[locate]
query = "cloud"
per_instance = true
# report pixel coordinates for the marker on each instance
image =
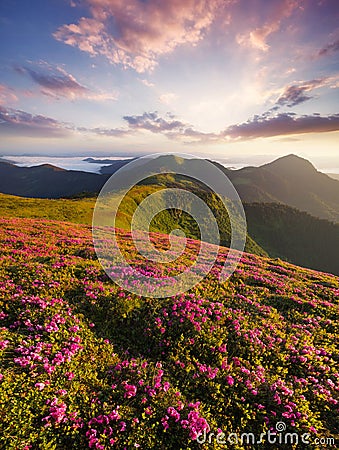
(108, 132)
(281, 125)
(257, 38)
(329, 48)
(168, 98)
(298, 93)
(7, 95)
(137, 33)
(20, 123)
(295, 94)
(16, 123)
(153, 122)
(168, 126)
(147, 83)
(260, 126)
(56, 82)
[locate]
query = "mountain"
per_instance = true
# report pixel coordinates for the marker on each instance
(47, 181)
(293, 181)
(335, 176)
(294, 236)
(113, 164)
(289, 180)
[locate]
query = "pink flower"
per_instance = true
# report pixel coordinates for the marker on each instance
(40, 386)
(172, 412)
(164, 421)
(61, 392)
(230, 380)
(3, 344)
(57, 412)
(130, 390)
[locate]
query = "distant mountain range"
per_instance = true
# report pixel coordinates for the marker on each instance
(47, 181)
(289, 180)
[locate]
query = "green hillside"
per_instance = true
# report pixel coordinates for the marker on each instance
(273, 229)
(67, 210)
(81, 210)
(170, 219)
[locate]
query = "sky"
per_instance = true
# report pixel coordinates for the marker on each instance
(239, 80)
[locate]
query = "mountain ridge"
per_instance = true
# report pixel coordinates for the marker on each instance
(289, 180)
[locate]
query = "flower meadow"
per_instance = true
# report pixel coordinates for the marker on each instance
(87, 364)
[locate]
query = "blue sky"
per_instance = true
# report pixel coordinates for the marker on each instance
(234, 79)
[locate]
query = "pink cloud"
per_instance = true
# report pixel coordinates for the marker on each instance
(298, 93)
(258, 37)
(281, 125)
(136, 33)
(16, 123)
(56, 82)
(329, 49)
(7, 95)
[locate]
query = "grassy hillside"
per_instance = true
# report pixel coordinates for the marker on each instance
(80, 210)
(273, 229)
(86, 364)
(75, 210)
(168, 220)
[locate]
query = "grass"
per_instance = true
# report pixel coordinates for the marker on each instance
(68, 210)
(80, 210)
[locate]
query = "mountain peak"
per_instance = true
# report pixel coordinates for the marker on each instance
(48, 167)
(291, 163)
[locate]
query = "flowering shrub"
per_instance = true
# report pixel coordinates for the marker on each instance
(86, 364)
